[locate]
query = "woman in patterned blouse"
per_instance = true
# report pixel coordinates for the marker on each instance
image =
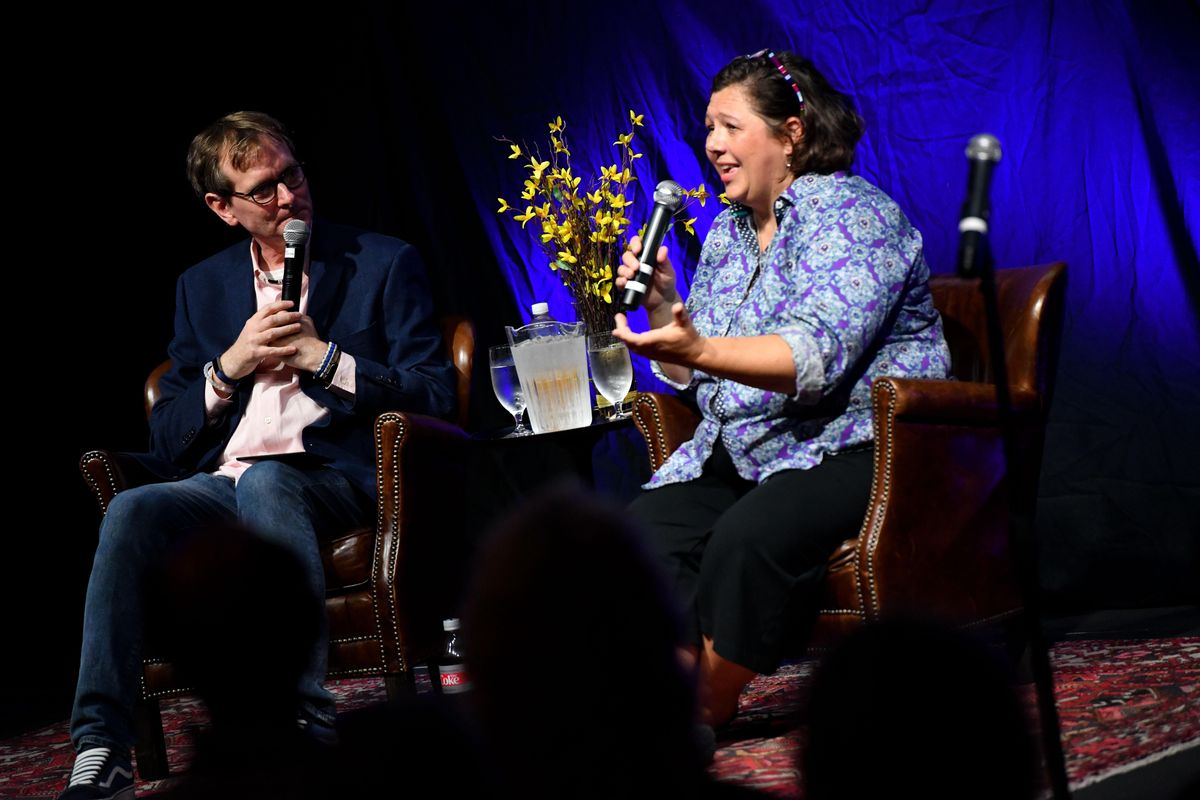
(810, 285)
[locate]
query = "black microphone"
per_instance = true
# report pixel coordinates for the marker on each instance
(983, 152)
(295, 236)
(668, 199)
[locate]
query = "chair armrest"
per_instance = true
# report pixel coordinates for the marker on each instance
(108, 472)
(665, 422)
(935, 537)
(421, 554)
(959, 401)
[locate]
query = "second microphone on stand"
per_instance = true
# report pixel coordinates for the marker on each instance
(983, 153)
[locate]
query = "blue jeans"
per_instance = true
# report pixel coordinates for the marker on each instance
(285, 504)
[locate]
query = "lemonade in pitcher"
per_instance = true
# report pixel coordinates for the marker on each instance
(551, 359)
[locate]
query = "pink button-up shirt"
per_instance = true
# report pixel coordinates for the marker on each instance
(278, 412)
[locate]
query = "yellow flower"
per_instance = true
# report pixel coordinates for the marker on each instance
(723, 199)
(523, 218)
(603, 289)
(538, 168)
(581, 229)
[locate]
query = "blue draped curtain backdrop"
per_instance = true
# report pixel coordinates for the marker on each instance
(1097, 105)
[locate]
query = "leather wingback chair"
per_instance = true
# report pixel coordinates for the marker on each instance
(934, 540)
(387, 586)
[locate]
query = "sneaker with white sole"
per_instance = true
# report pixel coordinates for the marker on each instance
(100, 774)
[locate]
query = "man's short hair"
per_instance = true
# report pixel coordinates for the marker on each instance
(238, 137)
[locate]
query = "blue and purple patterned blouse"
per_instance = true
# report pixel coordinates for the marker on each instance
(845, 283)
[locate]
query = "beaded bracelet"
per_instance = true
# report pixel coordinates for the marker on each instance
(221, 387)
(329, 364)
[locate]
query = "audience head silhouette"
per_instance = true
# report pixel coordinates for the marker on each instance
(571, 642)
(910, 709)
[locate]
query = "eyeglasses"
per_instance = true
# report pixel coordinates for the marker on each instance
(265, 193)
(787, 76)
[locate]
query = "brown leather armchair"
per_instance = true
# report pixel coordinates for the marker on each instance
(934, 540)
(388, 586)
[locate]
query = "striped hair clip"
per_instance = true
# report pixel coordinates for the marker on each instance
(787, 76)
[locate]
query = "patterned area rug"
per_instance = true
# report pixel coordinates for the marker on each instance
(1122, 704)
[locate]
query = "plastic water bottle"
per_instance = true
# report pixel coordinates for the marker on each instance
(541, 313)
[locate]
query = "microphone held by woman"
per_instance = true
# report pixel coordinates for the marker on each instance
(668, 199)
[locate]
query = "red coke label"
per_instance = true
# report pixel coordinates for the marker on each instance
(454, 678)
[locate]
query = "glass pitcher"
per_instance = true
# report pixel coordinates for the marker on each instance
(551, 359)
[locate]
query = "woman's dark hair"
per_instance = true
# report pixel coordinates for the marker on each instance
(831, 126)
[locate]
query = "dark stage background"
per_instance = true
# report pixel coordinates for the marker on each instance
(394, 113)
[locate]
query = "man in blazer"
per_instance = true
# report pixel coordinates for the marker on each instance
(265, 417)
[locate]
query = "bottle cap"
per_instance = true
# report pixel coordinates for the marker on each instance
(541, 308)
(450, 624)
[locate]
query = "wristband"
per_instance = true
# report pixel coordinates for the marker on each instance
(214, 380)
(221, 376)
(329, 364)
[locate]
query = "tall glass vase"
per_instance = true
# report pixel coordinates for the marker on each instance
(594, 313)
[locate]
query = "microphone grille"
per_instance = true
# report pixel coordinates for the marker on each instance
(984, 147)
(670, 194)
(295, 231)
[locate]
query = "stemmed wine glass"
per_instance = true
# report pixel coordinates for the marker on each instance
(612, 371)
(507, 386)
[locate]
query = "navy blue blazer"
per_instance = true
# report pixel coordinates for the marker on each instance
(367, 292)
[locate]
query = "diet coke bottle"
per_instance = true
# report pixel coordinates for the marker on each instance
(452, 671)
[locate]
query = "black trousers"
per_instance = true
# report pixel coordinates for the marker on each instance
(745, 560)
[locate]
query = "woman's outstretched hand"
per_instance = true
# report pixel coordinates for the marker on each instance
(678, 342)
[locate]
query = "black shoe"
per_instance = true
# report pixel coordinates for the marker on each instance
(100, 774)
(317, 731)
